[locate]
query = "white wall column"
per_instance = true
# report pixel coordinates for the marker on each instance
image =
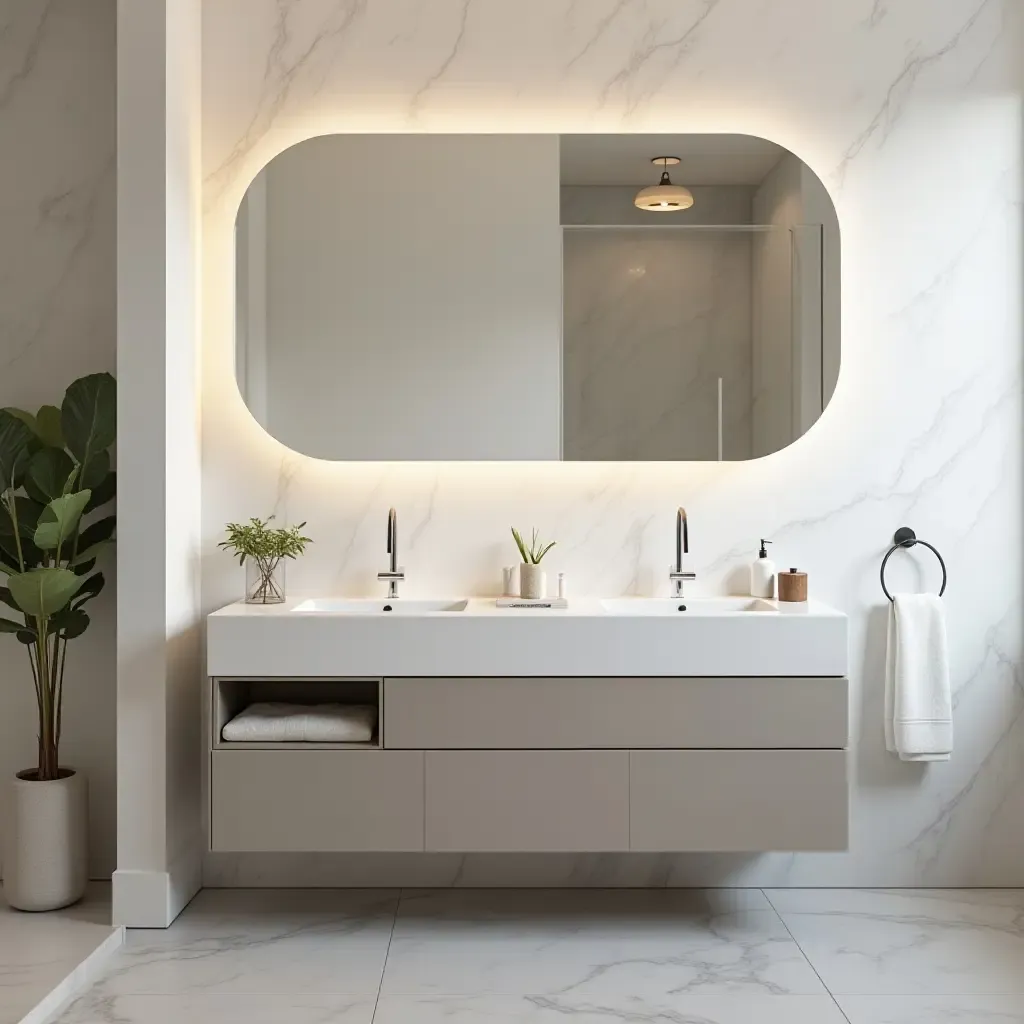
(158, 644)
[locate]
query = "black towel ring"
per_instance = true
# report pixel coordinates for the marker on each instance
(906, 538)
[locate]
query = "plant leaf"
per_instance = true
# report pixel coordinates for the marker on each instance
(519, 544)
(92, 588)
(26, 417)
(48, 428)
(27, 635)
(97, 533)
(29, 512)
(16, 444)
(59, 520)
(48, 473)
(42, 592)
(88, 419)
(69, 623)
(7, 626)
(103, 492)
(95, 471)
(5, 598)
(90, 554)
(84, 568)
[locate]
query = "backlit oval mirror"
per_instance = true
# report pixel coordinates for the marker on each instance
(578, 297)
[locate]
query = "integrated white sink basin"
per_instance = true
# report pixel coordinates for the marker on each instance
(452, 638)
(378, 606)
(686, 605)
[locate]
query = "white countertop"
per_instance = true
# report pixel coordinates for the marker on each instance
(713, 637)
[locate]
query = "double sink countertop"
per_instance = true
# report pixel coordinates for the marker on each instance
(629, 636)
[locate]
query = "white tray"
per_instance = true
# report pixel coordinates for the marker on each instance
(532, 602)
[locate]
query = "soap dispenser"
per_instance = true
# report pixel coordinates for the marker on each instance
(762, 573)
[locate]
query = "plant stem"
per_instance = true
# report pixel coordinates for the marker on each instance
(47, 744)
(60, 687)
(12, 508)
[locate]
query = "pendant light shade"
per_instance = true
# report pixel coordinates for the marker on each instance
(664, 197)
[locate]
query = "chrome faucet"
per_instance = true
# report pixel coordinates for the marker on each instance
(393, 576)
(676, 574)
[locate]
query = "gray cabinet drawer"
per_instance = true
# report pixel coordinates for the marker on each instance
(316, 800)
(515, 801)
(738, 800)
(569, 713)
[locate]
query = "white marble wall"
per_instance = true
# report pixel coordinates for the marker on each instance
(57, 308)
(911, 114)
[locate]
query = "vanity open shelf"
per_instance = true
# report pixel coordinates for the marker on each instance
(229, 696)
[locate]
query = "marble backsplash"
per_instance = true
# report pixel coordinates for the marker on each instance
(911, 114)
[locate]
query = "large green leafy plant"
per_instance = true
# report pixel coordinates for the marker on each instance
(55, 473)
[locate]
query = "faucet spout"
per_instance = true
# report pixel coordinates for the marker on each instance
(682, 537)
(676, 573)
(393, 538)
(392, 575)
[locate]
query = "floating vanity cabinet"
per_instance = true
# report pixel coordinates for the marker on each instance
(550, 757)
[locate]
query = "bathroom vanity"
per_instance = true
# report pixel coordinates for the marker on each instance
(662, 724)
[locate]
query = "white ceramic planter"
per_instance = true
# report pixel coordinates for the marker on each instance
(45, 857)
(533, 581)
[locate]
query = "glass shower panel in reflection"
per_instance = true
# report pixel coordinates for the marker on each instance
(678, 342)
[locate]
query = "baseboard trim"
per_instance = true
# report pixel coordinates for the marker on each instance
(153, 899)
(76, 982)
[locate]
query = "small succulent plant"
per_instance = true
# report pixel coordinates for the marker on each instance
(535, 551)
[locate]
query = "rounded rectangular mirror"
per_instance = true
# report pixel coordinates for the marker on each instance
(578, 297)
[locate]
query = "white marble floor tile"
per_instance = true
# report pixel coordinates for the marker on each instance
(977, 1009)
(596, 948)
(206, 1008)
(262, 942)
(39, 952)
(688, 1008)
(928, 942)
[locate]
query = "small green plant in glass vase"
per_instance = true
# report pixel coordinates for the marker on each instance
(263, 549)
(55, 477)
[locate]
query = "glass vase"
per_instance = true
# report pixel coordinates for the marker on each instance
(264, 581)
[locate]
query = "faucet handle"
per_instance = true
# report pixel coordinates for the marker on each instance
(387, 574)
(678, 574)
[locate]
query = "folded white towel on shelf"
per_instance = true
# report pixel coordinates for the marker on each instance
(275, 722)
(918, 699)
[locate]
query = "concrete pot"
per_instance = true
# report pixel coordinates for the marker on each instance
(45, 856)
(533, 581)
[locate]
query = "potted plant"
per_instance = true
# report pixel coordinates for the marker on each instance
(532, 579)
(263, 552)
(55, 473)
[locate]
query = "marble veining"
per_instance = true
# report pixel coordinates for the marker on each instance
(684, 957)
(45, 958)
(58, 65)
(897, 107)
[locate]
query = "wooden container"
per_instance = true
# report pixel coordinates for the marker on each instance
(793, 586)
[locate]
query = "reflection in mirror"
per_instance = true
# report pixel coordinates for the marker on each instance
(584, 297)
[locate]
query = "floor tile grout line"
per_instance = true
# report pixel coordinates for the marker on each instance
(387, 953)
(803, 953)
